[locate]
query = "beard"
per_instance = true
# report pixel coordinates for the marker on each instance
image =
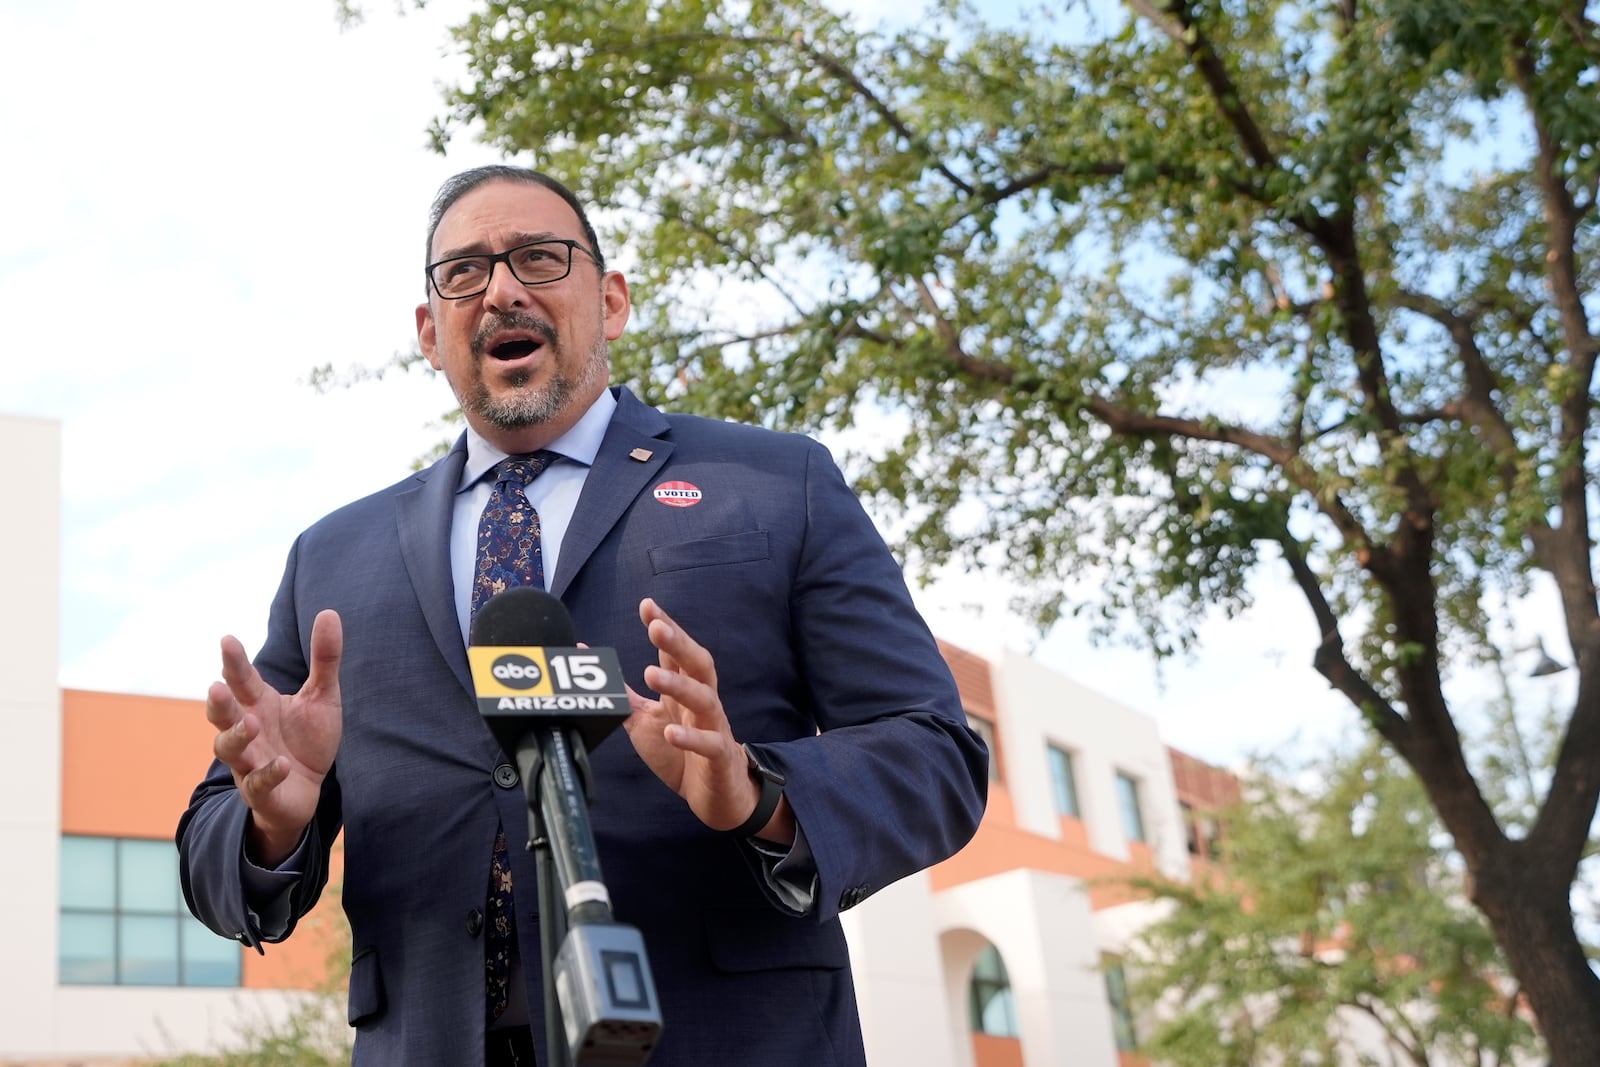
(523, 407)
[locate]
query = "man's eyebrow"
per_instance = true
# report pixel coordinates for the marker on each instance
(479, 248)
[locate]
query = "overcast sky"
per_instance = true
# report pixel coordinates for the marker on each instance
(166, 166)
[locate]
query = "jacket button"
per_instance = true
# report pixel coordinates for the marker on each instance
(852, 896)
(474, 922)
(505, 776)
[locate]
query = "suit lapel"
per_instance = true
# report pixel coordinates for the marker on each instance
(423, 512)
(615, 481)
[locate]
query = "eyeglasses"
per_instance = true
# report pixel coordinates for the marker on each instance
(535, 263)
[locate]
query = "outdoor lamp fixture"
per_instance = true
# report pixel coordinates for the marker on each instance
(1547, 664)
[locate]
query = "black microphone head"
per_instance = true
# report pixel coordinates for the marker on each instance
(524, 615)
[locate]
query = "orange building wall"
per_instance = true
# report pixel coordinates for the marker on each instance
(1206, 790)
(128, 765)
(1198, 783)
(129, 762)
(991, 1051)
(973, 678)
(1000, 845)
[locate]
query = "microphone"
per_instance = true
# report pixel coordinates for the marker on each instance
(547, 702)
(527, 671)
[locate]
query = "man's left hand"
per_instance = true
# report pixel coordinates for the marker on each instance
(685, 738)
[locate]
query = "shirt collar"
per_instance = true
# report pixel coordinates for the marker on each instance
(579, 444)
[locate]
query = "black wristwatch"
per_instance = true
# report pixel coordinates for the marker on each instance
(771, 783)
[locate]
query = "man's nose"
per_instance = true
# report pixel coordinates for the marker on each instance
(505, 292)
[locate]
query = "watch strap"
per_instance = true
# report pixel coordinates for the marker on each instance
(771, 792)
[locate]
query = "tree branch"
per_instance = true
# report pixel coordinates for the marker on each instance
(1562, 827)
(1093, 169)
(822, 59)
(1274, 449)
(1477, 406)
(745, 256)
(1417, 1054)
(1177, 22)
(1330, 660)
(879, 105)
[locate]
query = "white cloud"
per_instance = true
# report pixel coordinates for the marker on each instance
(207, 202)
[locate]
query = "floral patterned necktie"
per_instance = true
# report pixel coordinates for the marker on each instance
(509, 554)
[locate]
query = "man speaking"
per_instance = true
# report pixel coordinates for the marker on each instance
(794, 740)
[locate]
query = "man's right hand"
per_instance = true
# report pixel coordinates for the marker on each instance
(279, 747)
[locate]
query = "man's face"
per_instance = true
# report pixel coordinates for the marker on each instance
(525, 362)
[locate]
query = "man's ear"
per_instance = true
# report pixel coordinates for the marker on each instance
(614, 303)
(426, 337)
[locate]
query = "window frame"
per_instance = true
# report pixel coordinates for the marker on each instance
(1064, 786)
(129, 911)
(1192, 838)
(990, 733)
(1130, 805)
(987, 987)
(1120, 1002)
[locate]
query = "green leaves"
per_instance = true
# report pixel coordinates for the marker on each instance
(1338, 895)
(992, 229)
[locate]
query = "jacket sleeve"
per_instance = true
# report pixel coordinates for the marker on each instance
(211, 832)
(894, 780)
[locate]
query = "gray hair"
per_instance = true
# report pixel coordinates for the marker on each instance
(461, 184)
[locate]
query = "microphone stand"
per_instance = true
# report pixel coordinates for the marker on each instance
(600, 1005)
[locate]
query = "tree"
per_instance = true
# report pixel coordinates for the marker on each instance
(1174, 294)
(1337, 903)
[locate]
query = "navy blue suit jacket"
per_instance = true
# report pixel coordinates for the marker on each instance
(822, 662)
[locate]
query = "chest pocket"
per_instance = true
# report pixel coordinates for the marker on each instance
(746, 546)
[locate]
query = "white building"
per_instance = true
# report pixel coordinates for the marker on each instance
(99, 773)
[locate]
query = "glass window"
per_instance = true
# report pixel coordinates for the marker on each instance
(92, 865)
(88, 949)
(985, 729)
(205, 958)
(147, 950)
(1063, 782)
(991, 1007)
(1128, 802)
(148, 877)
(1121, 1010)
(123, 920)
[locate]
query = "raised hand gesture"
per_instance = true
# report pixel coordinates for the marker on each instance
(279, 747)
(685, 737)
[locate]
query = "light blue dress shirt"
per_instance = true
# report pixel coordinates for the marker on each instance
(554, 495)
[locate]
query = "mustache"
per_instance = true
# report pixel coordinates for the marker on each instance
(521, 320)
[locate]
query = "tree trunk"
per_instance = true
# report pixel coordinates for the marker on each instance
(1533, 923)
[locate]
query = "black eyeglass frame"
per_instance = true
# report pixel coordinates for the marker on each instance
(497, 258)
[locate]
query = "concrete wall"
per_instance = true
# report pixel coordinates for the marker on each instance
(1043, 928)
(30, 730)
(900, 981)
(40, 1020)
(1041, 708)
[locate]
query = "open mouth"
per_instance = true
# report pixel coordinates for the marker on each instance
(510, 350)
